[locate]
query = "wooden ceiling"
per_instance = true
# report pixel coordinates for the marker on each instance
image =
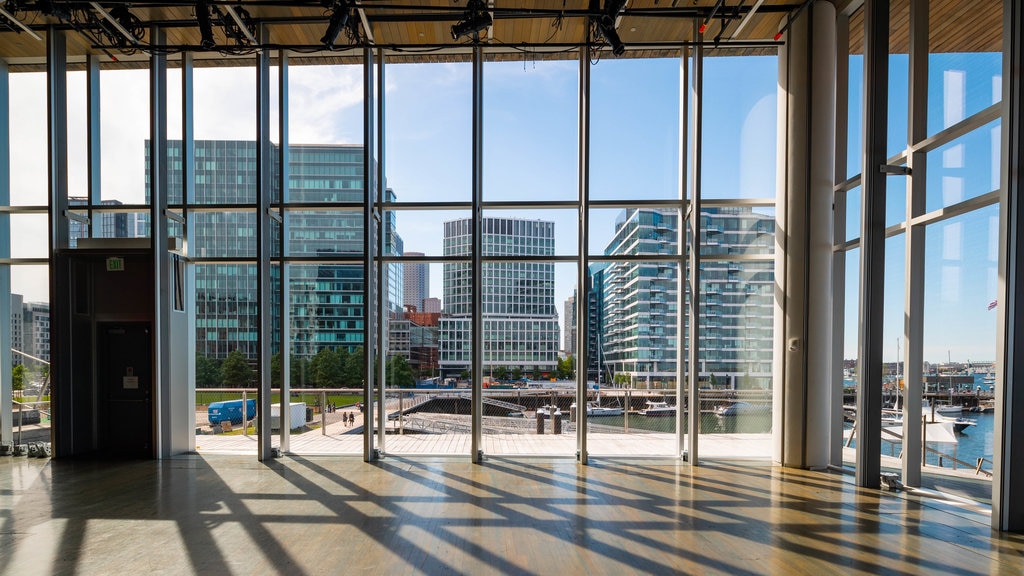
(954, 26)
(420, 30)
(409, 29)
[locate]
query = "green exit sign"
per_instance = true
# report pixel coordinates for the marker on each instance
(115, 264)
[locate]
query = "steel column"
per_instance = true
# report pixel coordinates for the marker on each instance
(284, 308)
(159, 232)
(681, 236)
(913, 296)
(1008, 470)
(6, 364)
(379, 174)
(92, 95)
(835, 412)
(264, 245)
(583, 272)
(60, 290)
(188, 198)
(477, 348)
(371, 289)
(383, 277)
(696, 90)
(872, 258)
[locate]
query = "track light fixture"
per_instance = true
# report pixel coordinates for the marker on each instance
(606, 25)
(612, 37)
(340, 15)
(475, 20)
(240, 26)
(8, 10)
(120, 25)
(205, 25)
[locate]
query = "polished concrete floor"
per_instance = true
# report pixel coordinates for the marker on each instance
(221, 515)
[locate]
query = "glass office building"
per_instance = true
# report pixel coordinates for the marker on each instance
(327, 307)
(520, 322)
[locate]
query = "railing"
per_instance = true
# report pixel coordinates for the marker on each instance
(38, 413)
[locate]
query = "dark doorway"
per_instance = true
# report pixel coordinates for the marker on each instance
(125, 375)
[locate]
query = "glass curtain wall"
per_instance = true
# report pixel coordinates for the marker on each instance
(956, 163)
(635, 253)
(224, 253)
(530, 238)
(530, 250)
(737, 246)
(29, 293)
(323, 215)
(428, 155)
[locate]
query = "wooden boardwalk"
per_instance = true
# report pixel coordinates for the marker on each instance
(342, 440)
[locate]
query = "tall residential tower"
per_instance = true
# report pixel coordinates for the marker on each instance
(519, 318)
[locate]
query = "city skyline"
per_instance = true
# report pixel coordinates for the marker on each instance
(432, 161)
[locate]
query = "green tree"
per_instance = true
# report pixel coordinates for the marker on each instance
(354, 368)
(18, 377)
(500, 373)
(399, 372)
(236, 372)
(275, 370)
(565, 368)
(325, 369)
(517, 373)
(299, 371)
(207, 372)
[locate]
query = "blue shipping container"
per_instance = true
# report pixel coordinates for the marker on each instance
(231, 411)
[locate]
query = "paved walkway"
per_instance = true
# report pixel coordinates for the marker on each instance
(343, 440)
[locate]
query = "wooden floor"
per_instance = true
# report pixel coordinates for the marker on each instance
(228, 514)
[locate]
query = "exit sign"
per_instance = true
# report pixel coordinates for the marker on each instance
(115, 264)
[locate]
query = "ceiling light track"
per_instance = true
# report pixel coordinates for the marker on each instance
(14, 20)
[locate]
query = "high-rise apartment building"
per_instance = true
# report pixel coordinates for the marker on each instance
(569, 325)
(416, 281)
(35, 318)
(519, 319)
(326, 299)
(637, 302)
(17, 330)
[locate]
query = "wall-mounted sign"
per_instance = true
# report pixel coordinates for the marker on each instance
(115, 264)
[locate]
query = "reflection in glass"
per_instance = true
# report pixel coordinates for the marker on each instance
(965, 168)
(635, 148)
(960, 315)
(739, 147)
(530, 136)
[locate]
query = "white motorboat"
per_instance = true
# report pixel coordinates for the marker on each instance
(595, 410)
(741, 409)
(893, 418)
(548, 411)
(658, 409)
(941, 409)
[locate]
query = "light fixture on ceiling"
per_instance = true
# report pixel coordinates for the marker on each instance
(606, 24)
(14, 20)
(239, 29)
(339, 19)
(474, 21)
(121, 19)
(205, 25)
